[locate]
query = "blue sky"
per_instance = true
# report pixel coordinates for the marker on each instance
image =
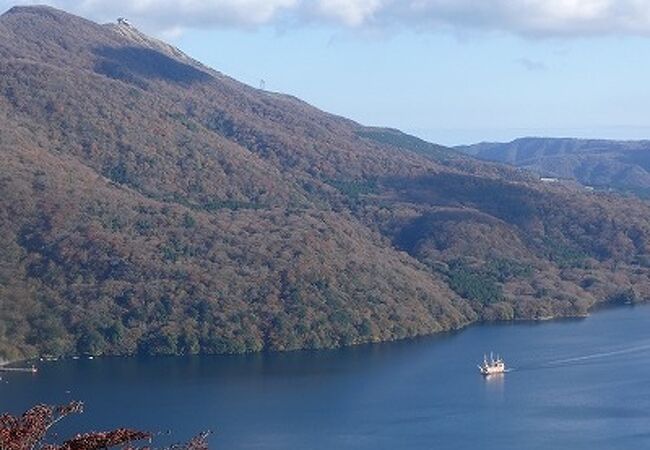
(446, 88)
(450, 71)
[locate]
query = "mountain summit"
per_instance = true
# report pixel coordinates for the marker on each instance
(150, 204)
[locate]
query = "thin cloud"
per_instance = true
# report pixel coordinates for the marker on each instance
(543, 18)
(531, 65)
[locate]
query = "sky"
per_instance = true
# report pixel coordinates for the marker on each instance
(450, 71)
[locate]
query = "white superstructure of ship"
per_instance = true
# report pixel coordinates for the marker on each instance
(492, 366)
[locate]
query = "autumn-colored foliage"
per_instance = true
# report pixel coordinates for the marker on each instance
(151, 205)
(29, 432)
(25, 432)
(599, 164)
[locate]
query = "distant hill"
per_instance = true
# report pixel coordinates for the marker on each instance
(149, 204)
(603, 164)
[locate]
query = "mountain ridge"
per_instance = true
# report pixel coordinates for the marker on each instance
(151, 206)
(605, 164)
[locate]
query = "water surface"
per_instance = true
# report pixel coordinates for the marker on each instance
(576, 384)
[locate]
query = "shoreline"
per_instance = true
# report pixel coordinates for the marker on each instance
(596, 308)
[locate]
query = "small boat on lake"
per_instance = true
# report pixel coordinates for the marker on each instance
(492, 366)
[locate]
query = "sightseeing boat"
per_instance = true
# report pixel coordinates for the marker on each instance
(492, 366)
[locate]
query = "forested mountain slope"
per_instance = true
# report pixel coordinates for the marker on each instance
(603, 164)
(150, 204)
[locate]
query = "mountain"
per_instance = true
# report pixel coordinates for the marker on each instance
(620, 165)
(149, 204)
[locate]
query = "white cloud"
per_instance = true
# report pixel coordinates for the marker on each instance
(196, 13)
(525, 17)
(175, 14)
(349, 12)
(532, 17)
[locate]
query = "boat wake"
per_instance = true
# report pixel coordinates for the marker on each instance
(583, 358)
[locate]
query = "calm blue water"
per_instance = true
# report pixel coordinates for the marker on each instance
(577, 384)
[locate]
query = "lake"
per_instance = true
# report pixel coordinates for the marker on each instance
(575, 384)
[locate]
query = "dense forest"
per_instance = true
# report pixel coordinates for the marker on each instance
(623, 166)
(149, 204)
